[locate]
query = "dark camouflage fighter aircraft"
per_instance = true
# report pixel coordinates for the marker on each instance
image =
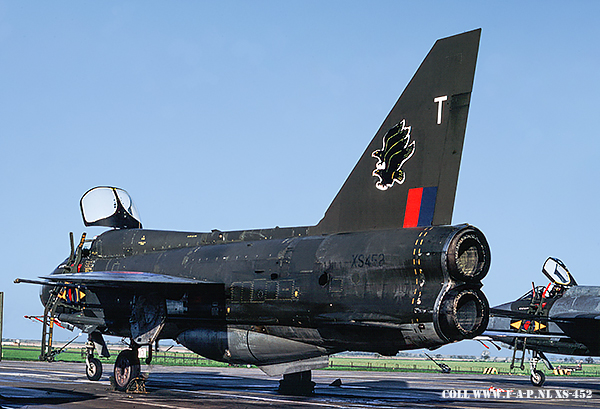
(560, 318)
(383, 271)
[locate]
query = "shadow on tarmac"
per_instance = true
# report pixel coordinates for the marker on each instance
(41, 396)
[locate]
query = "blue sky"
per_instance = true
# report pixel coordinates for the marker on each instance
(238, 114)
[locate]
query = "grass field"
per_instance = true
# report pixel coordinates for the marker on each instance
(77, 354)
(458, 366)
(336, 362)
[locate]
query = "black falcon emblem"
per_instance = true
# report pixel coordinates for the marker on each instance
(396, 150)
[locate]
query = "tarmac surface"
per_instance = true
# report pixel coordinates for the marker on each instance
(64, 385)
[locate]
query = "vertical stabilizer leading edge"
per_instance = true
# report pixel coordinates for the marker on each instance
(408, 174)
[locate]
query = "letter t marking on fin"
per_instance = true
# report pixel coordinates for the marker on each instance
(439, 101)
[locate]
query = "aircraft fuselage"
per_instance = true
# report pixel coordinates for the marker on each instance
(570, 317)
(379, 291)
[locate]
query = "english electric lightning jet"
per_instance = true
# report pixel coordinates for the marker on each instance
(383, 271)
(561, 318)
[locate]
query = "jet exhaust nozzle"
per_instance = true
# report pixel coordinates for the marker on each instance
(463, 313)
(468, 255)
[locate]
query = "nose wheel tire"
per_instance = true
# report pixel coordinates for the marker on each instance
(538, 378)
(93, 369)
(127, 368)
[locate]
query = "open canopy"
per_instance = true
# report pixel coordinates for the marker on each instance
(110, 207)
(557, 272)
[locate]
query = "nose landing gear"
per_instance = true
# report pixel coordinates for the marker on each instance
(93, 369)
(537, 377)
(93, 366)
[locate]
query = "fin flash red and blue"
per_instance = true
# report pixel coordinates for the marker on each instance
(420, 206)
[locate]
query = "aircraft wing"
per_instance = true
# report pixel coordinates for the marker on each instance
(143, 299)
(558, 318)
(502, 335)
(121, 278)
(576, 316)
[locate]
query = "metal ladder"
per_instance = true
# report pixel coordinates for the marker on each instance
(535, 308)
(47, 352)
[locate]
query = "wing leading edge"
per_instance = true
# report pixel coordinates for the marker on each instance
(120, 278)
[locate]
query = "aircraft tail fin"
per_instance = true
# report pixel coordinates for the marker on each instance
(408, 174)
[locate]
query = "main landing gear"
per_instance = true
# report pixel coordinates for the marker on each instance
(127, 369)
(126, 373)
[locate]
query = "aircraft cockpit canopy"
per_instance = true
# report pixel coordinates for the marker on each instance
(557, 272)
(526, 296)
(109, 207)
(559, 276)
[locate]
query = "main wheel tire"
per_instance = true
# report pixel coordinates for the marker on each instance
(93, 369)
(538, 378)
(127, 368)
